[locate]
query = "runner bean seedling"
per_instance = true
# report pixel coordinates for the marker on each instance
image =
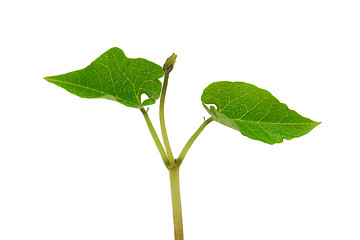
(252, 111)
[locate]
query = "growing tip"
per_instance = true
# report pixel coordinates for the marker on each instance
(169, 64)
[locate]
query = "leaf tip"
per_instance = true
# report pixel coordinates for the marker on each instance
(317, 123)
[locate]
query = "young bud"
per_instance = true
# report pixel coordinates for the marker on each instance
(169, 64)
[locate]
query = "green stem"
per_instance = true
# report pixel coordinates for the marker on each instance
(191, 140)
(176, 202)
(155, 137)
(162, 122)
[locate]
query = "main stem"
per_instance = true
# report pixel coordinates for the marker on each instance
(176, 202)
(172, 163)
(162, 122)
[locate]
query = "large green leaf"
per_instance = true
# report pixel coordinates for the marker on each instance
(116, 77)
(255, 112)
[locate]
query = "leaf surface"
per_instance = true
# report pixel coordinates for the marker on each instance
(255, 112)
(114, 76)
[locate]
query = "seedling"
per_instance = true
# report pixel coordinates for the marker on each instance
(252, 111)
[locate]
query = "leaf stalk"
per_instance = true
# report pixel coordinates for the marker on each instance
(192, 140)
(155, 137)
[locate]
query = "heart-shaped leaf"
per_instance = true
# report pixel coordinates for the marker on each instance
(255, 112)
(114, 76)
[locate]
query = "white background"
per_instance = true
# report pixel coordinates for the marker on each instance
(73, 168)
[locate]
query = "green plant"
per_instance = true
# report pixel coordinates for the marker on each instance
(242, 106)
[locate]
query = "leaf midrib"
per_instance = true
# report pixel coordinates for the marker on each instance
(272, 122)
(242, 120)
(95, 90)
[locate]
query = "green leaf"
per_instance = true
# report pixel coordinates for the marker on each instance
(255, 112)
(114, 76)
